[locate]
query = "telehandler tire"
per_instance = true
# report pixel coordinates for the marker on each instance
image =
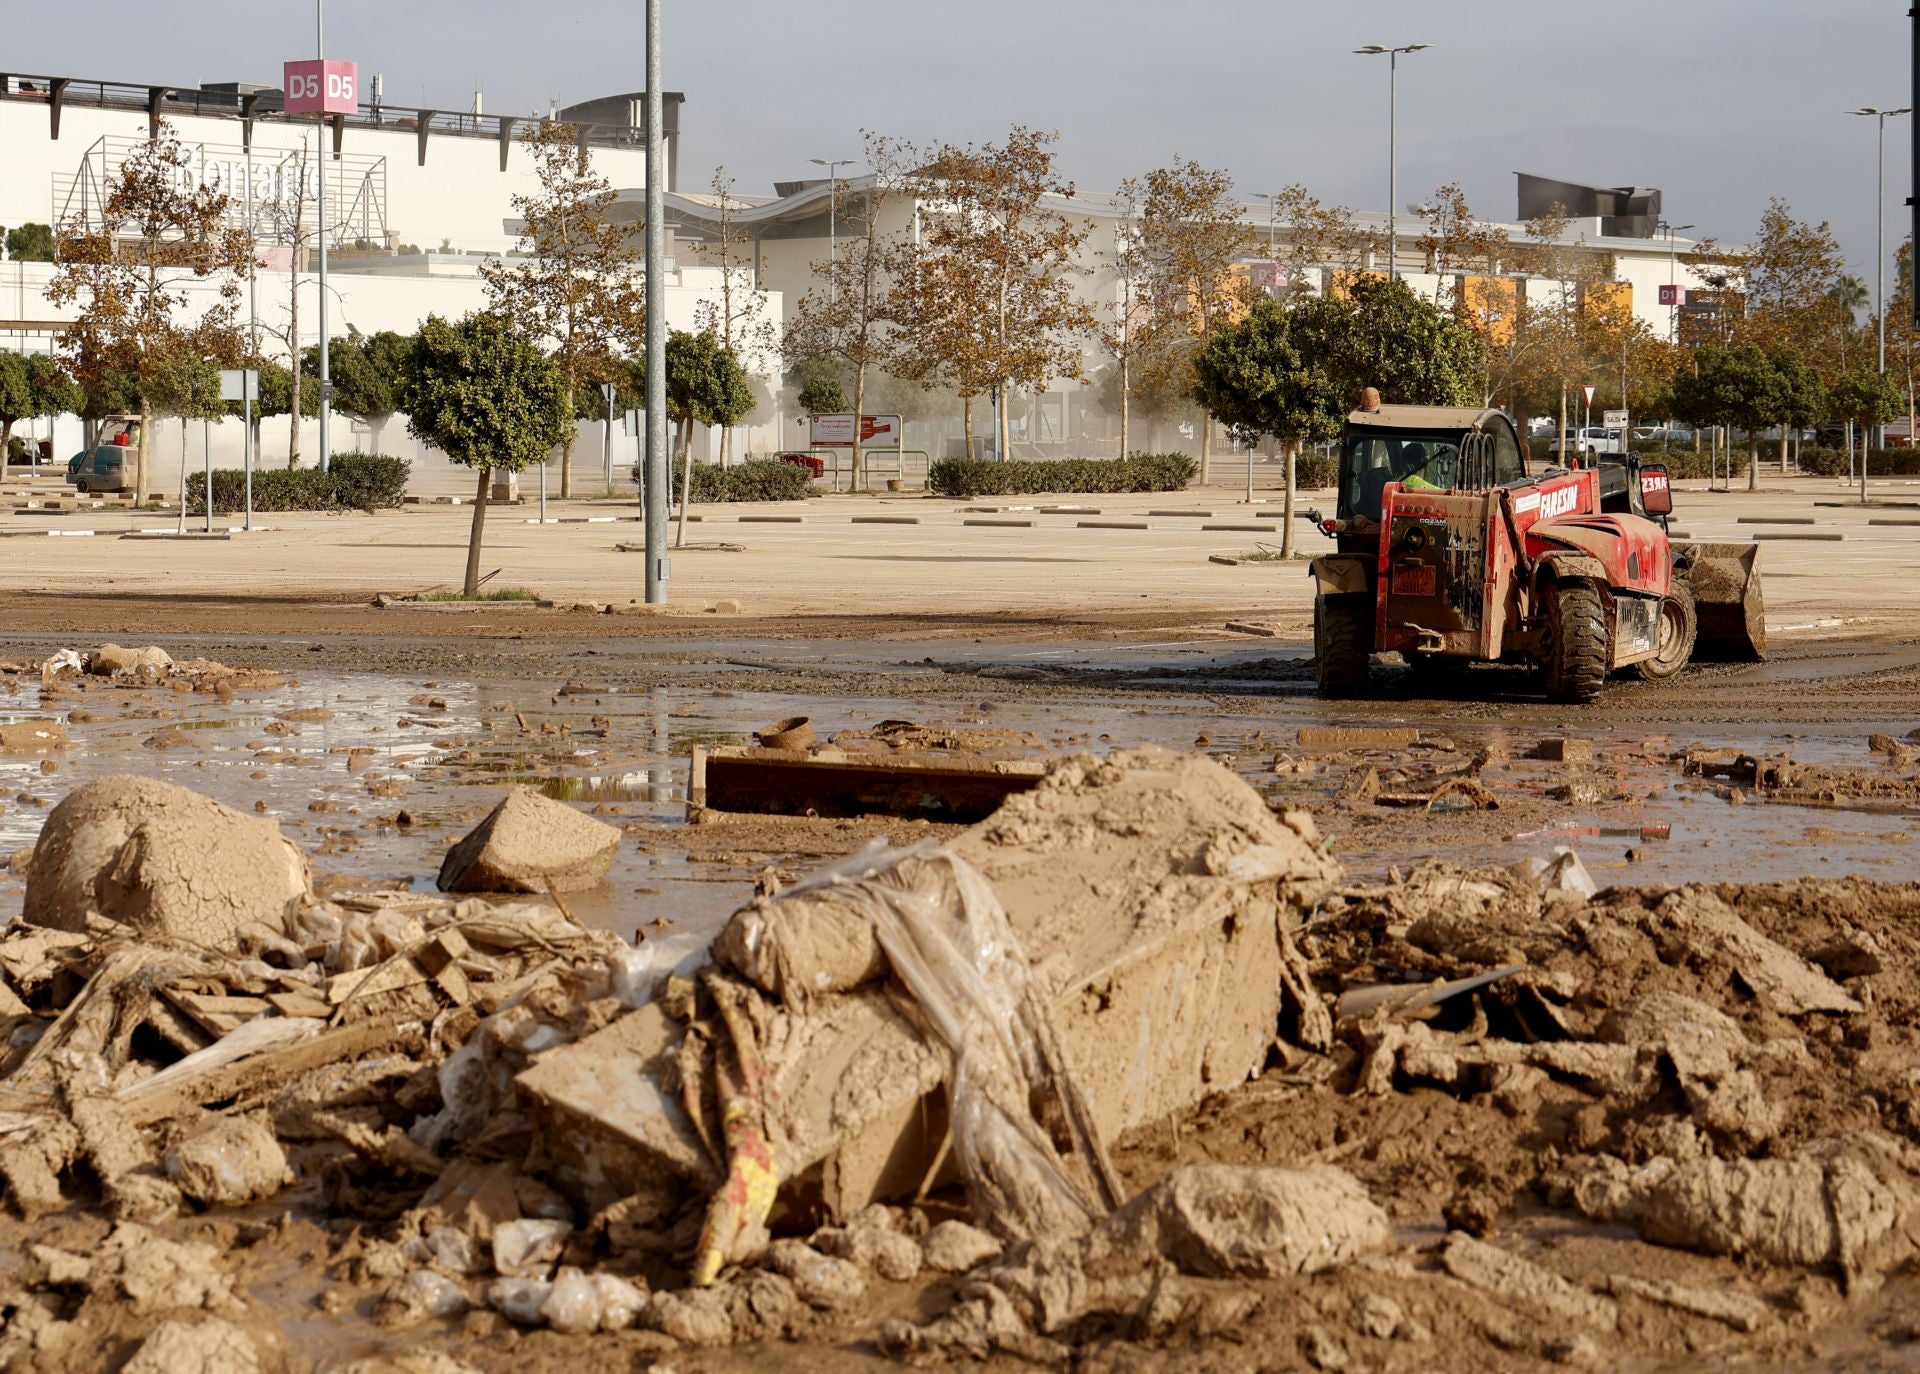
(1576, 654)
(1679, 625)
(1342, 642)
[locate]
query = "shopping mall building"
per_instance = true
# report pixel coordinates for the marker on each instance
(419, 198)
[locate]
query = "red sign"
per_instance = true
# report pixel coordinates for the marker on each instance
(1588, 391)
(1672, 295)
(316, 87)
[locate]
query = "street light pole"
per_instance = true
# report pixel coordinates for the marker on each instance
(833, 167)
(326, 382)
(1272, 198)
(1673, 287)
(657, 476)
(1880, 262)
(1393, 145)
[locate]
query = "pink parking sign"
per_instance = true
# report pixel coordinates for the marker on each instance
(316, 87)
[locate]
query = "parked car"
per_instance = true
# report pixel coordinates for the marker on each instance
(1591, 442)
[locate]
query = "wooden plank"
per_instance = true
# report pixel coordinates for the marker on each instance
(774, 782)
(269, 1068)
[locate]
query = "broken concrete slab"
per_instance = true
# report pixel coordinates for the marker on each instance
(531, 843)
(162, 860)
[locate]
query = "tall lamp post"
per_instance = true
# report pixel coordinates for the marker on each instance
(1272, 198)
(1880, 257)
(1673, 287)
(1393, 139)
(833, 167)
(326, 377)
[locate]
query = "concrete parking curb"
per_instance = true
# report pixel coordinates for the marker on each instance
(1002, 524)
(1798, 534)
(1775, 520)
(886, 519)
(1244, 529)
(1112, 525)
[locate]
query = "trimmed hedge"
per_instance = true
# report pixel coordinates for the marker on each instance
(763, 479)
(1312, 470)
(353, 481)
(1066, 476)
(1881, 462)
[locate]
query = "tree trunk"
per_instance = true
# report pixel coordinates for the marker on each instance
(859, 404)
(1286, 518)
(686, 491)
(966, 415)
(472, 585)
(1005, 426)
(140, 455)
(1126, 385)
(1561, 434)
(1206, 447)
(1783, 450)
(293, 336)
(1753, 460)
(566, 447)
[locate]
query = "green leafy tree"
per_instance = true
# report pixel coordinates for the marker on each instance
(32, 384)
(1382, 334)
(365, 371)
(275, 395)
(707, 385)
(1803, 396)
(30, 243)
(1735, 385)
(1865, 396)
(820, 394)
(485, 396)
(1266, 375)
(576, 285)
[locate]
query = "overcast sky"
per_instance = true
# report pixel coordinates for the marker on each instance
(1719, 103)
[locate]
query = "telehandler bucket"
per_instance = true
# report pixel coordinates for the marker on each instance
(1726, 590)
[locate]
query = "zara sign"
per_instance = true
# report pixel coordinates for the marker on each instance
(324, 88)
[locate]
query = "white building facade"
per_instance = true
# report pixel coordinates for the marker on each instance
(417, 200)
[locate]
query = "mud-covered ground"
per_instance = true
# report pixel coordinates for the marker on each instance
(1736, 1061)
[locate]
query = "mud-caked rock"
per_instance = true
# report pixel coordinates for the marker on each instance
(161, 859)
(527, 843)
(953, 1247)
(110, 660)
(1227, 1221)
(236, 1159)
(211, 1346)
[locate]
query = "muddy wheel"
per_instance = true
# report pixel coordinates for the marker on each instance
(1342, 642)
(81, 486)
(1575, 657)
(1679, 623)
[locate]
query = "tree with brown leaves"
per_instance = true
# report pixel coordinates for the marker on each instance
(738, 319)
(986, 297)
(847, 318)
(1192, 234)
(159, 235)
(578, 289)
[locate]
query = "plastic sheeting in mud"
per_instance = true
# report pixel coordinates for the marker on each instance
(1149, 896)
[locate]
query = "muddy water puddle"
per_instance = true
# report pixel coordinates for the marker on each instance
(375, 776)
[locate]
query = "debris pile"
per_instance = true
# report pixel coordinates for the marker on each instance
(1123, 1064)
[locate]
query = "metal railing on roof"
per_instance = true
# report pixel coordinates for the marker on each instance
(159, 101)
